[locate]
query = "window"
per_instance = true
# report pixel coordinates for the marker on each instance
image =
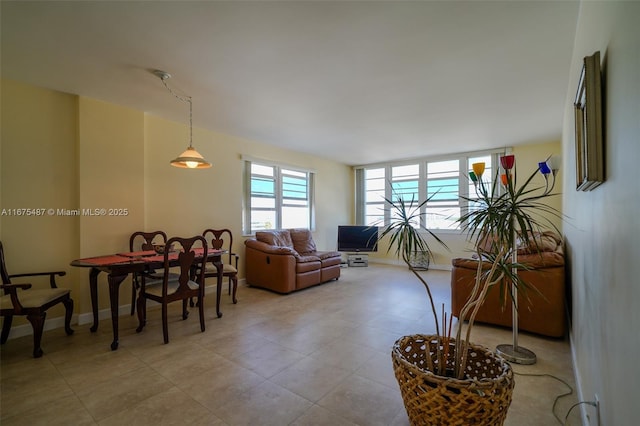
(276, 197)
(295, 199)
(443, 180)
(405, 180)
(374, 194)
(488, 175)
(443, 188)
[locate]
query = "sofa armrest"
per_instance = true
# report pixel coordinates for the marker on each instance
(266, 248)
(275, 269)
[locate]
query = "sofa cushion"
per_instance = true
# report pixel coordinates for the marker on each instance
(310, 263)
(307, 258)
(330, 261)
(544, 259)
(324, 255)
(280, 238)
(302, 241)
(540, 242)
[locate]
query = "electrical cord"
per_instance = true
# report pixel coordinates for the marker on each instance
(592, 403)
(555, 402)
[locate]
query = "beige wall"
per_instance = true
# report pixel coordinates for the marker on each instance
(527, 157)
(218, 202)
(111, 165)
(603, 228)
(66, 152)
(39, 171)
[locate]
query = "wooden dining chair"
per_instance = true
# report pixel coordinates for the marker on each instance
(143, 241)
(222, 239)
(21, 299)
(190, 282)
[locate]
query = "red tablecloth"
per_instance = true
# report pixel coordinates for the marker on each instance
(138, 253)
(135, 257)
(106, 260)
(159, 257)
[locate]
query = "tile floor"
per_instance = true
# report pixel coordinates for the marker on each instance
(316, 357)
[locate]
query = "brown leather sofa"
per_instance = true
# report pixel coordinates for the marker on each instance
(287, 260)
(541, 311)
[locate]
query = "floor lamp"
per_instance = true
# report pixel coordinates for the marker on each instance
(513, 352)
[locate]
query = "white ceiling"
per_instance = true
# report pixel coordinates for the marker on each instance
(358, 82)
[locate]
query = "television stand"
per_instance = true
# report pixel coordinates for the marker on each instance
(357, 260)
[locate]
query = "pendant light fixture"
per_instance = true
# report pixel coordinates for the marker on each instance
(189, 159)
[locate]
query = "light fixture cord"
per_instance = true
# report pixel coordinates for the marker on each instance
(187, 99)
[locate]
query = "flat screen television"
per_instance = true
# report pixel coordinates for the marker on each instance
(354, 238)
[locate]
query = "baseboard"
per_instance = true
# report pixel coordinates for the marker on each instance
(50, 324)
(576, 374)
(87, 317)
(397, 262)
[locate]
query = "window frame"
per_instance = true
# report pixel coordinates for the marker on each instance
(280, 199)
(463, 183)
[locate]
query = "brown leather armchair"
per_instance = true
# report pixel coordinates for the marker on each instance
(541, 309)
(287, 260)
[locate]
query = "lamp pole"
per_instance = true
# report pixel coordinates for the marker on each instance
(513, 352)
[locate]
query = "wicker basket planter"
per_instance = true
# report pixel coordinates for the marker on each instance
(482, 398)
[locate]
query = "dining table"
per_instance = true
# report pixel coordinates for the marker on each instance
(118, 266)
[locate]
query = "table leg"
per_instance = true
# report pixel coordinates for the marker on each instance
(114, 293)
(93, 286)
(219, 268)
(235, 289)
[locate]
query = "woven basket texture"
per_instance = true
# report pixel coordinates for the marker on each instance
(481, 398)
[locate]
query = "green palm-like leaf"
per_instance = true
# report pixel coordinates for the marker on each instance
(505, 215)
(404, 236)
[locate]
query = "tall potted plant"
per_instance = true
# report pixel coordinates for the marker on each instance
(438, 382)
(406, 236)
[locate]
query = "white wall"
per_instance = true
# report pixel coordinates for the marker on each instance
(603, 227)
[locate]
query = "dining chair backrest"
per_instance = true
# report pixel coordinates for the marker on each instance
(141, 240)
(191, 265)
(189, 256)
(220, 239)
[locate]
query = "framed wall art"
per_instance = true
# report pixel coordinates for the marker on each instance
(588, 122)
